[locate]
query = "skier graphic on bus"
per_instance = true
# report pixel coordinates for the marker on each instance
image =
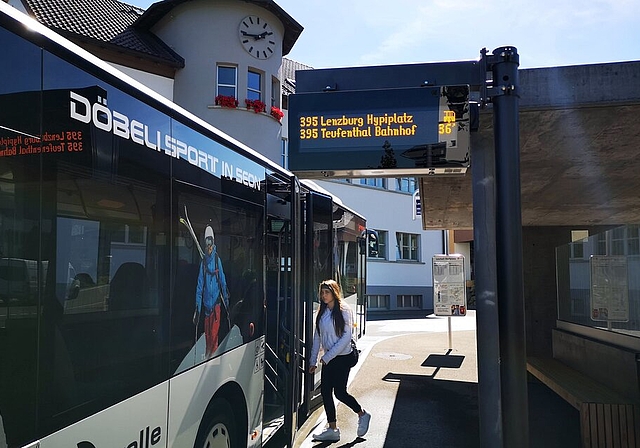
(211, 293)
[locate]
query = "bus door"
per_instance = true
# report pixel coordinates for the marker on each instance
(350, 260)
(317, 253)
(279, 283)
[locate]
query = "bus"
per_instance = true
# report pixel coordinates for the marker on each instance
(157, 277)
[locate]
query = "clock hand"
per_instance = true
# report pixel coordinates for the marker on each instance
(255, 36)
(262, 35)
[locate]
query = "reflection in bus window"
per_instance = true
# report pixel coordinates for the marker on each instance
(103, 330)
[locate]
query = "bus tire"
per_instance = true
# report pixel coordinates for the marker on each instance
(218, 427)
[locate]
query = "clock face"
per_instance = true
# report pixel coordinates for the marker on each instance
(256, 36)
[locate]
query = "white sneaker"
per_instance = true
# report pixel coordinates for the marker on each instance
(363, 423)
(328, 435)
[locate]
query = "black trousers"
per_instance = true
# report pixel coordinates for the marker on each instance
(333, 380)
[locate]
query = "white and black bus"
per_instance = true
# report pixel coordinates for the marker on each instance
(157, 278)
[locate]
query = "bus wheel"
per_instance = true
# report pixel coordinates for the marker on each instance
(218, 429)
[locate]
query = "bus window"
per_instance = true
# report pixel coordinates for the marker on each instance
(102, 336)
(218, 303)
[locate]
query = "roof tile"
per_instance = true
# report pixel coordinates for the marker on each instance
(109, 21)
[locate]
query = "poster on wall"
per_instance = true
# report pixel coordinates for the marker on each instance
(609, 288)
(449, 286)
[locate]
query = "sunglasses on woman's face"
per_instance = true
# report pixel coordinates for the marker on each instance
(208, 241)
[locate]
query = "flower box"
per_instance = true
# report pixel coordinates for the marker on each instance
(277, 113)
(256, 105)
(227, 101)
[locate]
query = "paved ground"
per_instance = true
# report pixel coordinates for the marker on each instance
(419, 381)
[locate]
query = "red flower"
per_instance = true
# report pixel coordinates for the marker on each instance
(276, 113)
(227, 101)
(257, 105)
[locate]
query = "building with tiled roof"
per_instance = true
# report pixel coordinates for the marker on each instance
(107, 29)
(190, 51)
(183, 49)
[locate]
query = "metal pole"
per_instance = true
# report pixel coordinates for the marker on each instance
(445, 234)
(449, 326)
(485, 280)
(505, 101)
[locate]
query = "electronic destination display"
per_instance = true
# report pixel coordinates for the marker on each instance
(380, 132)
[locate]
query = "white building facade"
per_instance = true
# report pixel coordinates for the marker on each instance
(399, 277)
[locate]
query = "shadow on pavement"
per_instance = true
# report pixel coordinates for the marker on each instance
(444, 413)
(447, 361)
(431, 412)
(355, 442)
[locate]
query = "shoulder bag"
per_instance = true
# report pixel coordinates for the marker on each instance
(355, 353)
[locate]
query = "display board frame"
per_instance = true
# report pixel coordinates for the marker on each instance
(380, 133)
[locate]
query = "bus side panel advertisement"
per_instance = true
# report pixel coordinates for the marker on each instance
(191, 392)
(139, 422)
(132, 261)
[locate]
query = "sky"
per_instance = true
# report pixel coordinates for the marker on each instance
(546, 33)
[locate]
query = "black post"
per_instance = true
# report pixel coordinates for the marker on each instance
(504, 65)
(485, 281)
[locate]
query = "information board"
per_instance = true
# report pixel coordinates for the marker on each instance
(449, 285)
(609, 288)
(379, 132)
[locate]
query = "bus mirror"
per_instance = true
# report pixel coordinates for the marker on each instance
(362, 245)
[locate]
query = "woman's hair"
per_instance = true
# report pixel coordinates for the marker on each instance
(336, 312)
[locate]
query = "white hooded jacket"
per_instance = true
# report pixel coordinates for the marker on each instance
(327, 339)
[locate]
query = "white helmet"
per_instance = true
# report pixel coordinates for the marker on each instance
(208, 233)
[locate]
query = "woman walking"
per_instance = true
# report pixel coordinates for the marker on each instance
(333, 334)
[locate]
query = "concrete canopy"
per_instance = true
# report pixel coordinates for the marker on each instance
(579, 139)
(579, 151)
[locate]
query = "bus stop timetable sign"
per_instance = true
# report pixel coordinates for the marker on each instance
(380, 132)
(449, 286)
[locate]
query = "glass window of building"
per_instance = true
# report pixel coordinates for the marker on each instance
(625, 240)
(577, 244)
(377, 182)
(275, 91)
(617, 241)
(409, 301)
(284, 153)
(382, 245)
(633, 240)
(406, 184)
(227, 81)
(601, 244)
(577, 249)
(254, 85)
(407, 245)
(378, 301)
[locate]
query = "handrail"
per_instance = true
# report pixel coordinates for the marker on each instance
(271, 360)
